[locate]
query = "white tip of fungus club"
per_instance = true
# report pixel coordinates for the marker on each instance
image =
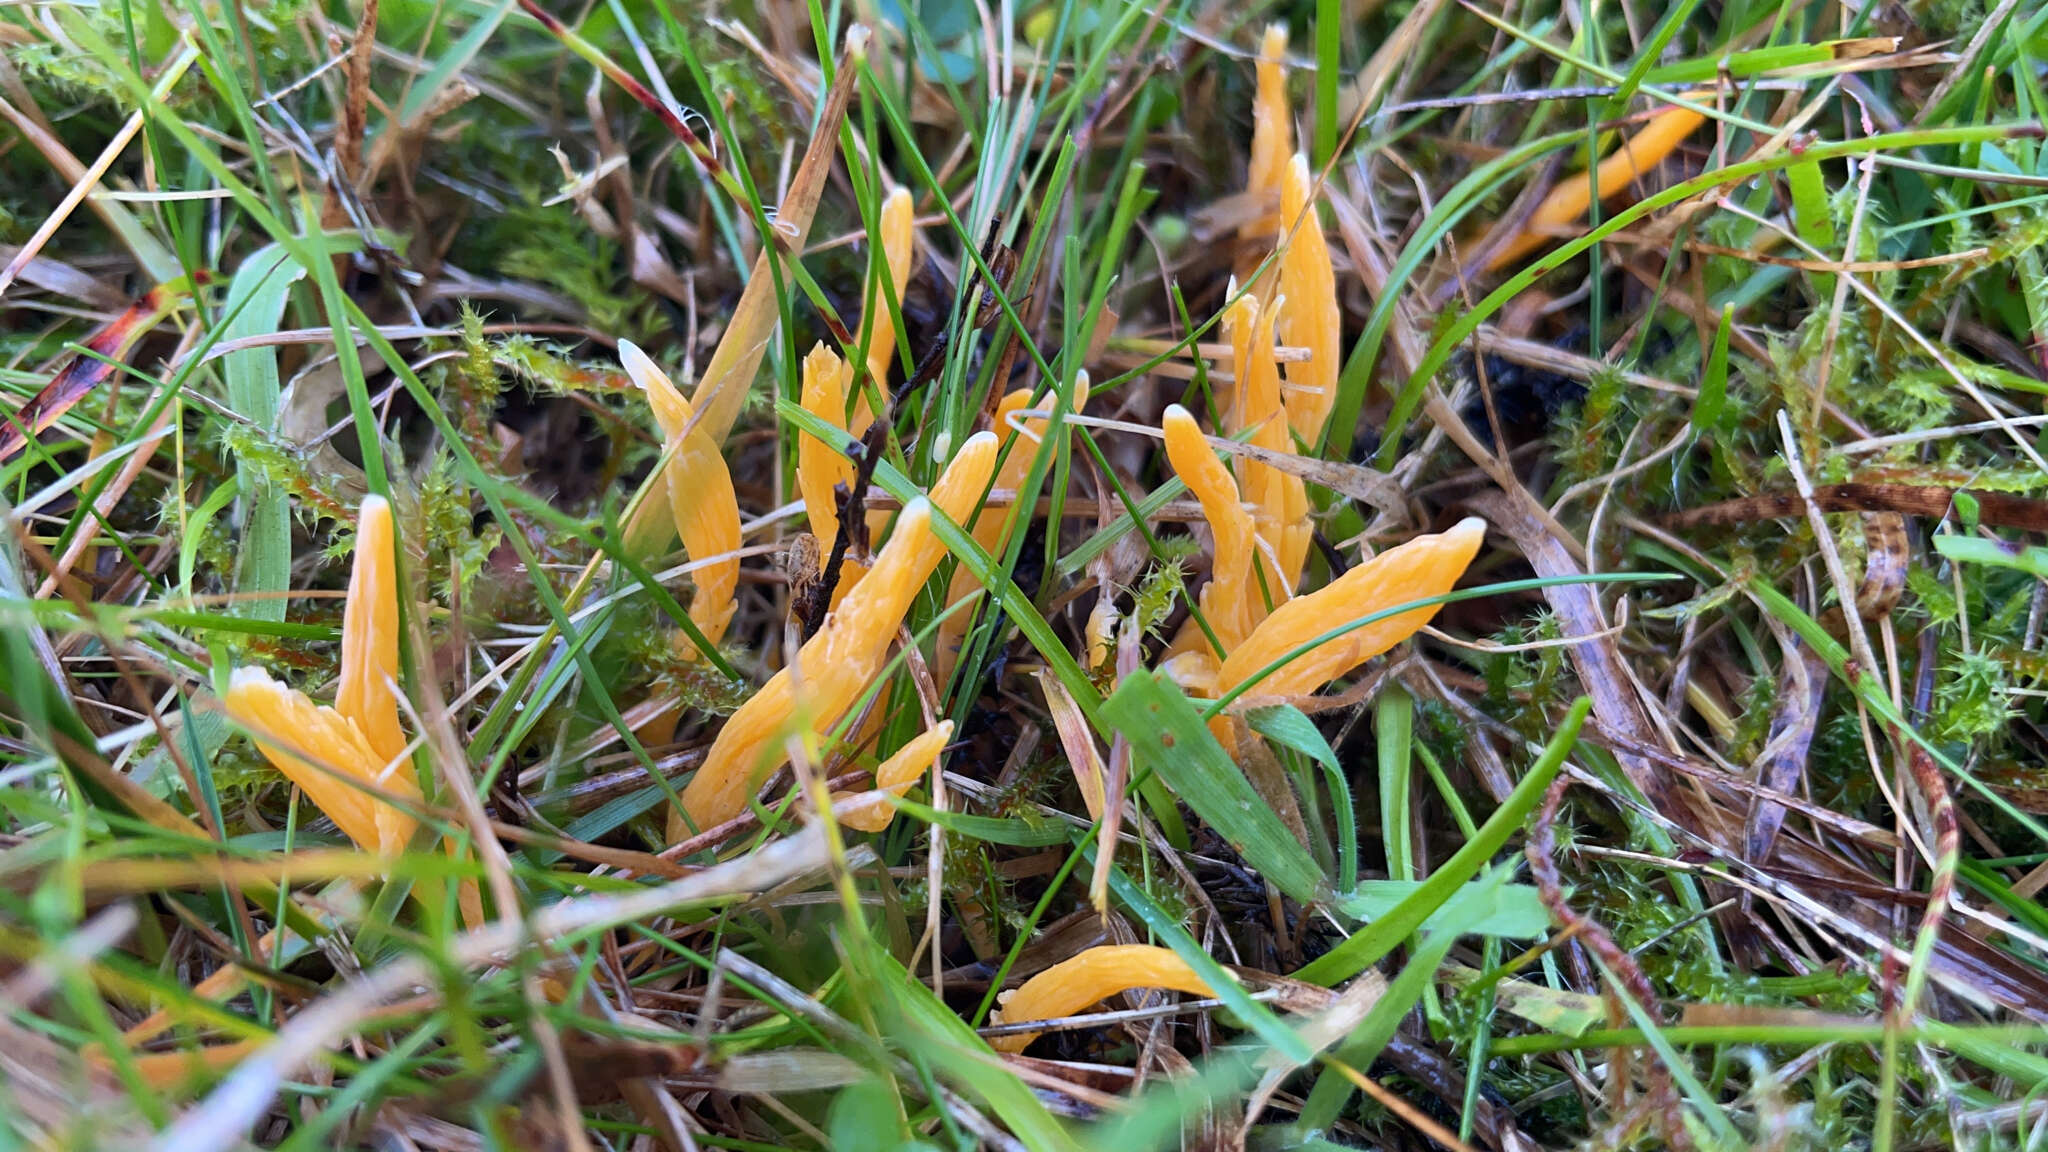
(1470, 524)
(917, 512)
(247, 677)
(640, 368)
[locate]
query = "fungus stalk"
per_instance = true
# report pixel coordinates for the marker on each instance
(836, 666)
(701, 501)
(1567, 203)
(1422, 568)
(1311, 319)
(349, 758)
(1226, 598)
(1272, 140)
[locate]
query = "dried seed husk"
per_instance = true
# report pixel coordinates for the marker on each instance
(1088, 977)
(1421, 568)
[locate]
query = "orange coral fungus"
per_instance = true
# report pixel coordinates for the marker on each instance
(871, 811)
(1279, 500)
(838, 664)
(1417, 570)
(1568, 201)
(338, 755)
(700, 496)
(896, 240)
(1095, 974)
(1311, 319)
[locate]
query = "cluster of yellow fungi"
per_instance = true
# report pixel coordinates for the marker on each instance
(1259, 521)
(349, 758)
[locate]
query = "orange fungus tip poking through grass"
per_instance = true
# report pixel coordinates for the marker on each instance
(1425, 567)
(341, 756)
(838, 665)
(1089, 977)
(700, 495)
(1311, 319)
(1567, 203)
(896, 244)
(871, 811)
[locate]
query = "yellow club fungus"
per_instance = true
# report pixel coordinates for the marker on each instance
(1226, 599)
(1090, 976)
(1279, 499)
(896, 241)
(838, 664)
(821, 467)
(1272, 139)
(1568, 202)
(341, 756)
(1424, 567)
(1311, 319)
(871, 811)
(700, 496)
(827, 379)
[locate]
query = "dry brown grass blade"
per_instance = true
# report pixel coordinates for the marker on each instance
(1602, 671)
(729, 376)
(221, 1121)
(87, 370)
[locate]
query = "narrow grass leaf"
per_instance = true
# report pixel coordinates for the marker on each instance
(1365, 947)
(1168, 737)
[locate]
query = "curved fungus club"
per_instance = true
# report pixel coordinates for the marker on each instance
(838, 664)
(1424, 567)
(342, 757)
(1086, 978)
(1567, 203)
(871, 811)
(1311, 320)
(1225, 600)
(701, 500)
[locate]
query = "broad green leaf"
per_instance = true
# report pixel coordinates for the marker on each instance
(1290, 727)
(254, 306)
(1493, 910)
